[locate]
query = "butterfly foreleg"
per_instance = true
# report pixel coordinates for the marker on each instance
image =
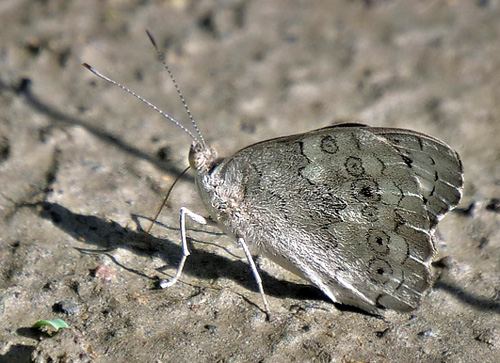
(185, 250)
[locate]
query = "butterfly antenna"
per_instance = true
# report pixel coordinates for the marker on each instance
(168, 117)
(161, 56)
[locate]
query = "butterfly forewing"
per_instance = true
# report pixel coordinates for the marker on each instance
(341, 206)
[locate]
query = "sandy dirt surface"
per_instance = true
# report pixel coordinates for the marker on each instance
(83, 166)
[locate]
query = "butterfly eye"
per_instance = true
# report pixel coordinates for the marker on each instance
(196, 159)
(201, 158)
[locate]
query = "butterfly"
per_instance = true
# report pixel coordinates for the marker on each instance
(350, 208)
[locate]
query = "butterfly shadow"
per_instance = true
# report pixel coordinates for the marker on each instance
(474, 300)
(108, 235)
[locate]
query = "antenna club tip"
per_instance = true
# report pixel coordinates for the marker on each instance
(88, 66)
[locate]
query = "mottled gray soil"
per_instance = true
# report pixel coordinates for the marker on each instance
(83, 166)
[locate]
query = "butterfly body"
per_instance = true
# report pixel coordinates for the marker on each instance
(340, 206)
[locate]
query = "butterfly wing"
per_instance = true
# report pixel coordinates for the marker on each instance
(342, 207)
(437, 167)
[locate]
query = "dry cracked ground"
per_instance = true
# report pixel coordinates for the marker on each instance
(84, 166)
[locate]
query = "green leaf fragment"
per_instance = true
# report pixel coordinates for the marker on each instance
(55, 323)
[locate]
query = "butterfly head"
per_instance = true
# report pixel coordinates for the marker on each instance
(201, 157)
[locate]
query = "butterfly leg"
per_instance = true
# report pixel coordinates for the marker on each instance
(256, 274)
(185, 250)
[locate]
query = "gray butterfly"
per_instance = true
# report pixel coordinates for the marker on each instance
(350, 208)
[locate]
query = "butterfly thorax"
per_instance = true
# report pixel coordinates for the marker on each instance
(221, 192)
